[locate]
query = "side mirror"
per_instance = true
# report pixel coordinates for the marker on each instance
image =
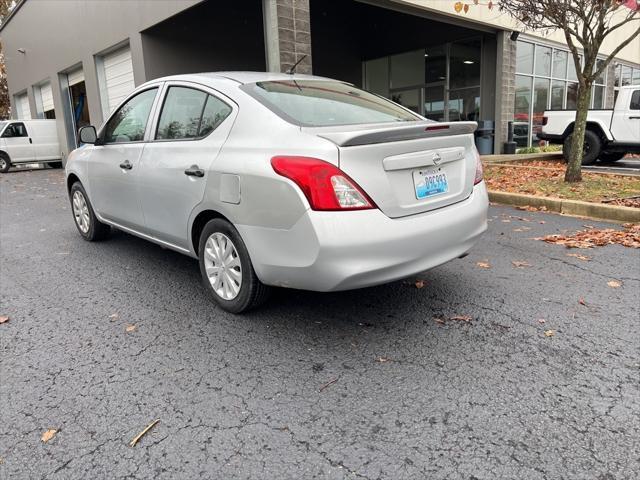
(88, 134)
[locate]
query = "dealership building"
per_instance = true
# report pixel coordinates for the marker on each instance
(76, 60)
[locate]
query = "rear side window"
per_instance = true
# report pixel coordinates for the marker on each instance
(635, 100)
(188, 113)
(318, 103)
(130, 121)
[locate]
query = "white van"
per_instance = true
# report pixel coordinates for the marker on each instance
(29, 141)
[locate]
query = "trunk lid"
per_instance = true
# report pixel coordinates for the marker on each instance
(395, 165)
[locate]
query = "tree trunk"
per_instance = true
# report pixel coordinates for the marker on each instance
(574, 163)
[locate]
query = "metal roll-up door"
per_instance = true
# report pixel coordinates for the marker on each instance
(118, 76)
(75, 77)
(22, 106)
(46, 95)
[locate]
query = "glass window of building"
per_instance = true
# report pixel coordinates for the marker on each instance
(560, 60)
(524, 57)
(435, 64)
(543, 61)
(407, 69)
(522, 110)
(464, 66)
(376, 78)
(546, 79)
(408, 98)
(464, 105)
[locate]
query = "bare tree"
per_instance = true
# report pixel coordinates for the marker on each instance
(585, 24)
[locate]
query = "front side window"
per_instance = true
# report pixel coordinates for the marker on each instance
(319, 103)
(130, 121)
(16, 130)
(188, 113)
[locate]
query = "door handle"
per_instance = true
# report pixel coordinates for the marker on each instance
(126, 165)
(634, 118)
(30, 141)
(194, 171)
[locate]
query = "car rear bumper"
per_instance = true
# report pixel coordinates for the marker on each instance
(329, 251)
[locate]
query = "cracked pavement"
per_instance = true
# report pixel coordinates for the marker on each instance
(362, 384)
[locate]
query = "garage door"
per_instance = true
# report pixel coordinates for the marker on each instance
(22, 107)
(46, 95)
(118, 77)
(75, 77)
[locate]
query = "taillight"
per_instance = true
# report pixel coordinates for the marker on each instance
(544, 120)
(479, 173)
(325, 185)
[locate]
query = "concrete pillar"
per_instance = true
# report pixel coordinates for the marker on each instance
(505, 86)
(287, 34)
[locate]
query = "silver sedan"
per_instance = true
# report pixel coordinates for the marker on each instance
(280, 180)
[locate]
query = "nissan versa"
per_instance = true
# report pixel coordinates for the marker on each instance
(280, 180)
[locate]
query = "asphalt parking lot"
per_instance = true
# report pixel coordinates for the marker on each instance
(381, 383)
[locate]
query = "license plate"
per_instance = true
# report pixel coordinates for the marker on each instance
(429, 183)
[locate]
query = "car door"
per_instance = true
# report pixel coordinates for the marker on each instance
(192, 126)
(18, 143)
(114, 162)
(625, 126)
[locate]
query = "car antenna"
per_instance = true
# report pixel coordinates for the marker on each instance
(292, 70)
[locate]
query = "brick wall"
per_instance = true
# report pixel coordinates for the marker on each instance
(294, 34)
(505, 87)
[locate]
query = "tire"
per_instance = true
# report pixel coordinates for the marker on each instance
(591, 149)
(5, 163)
(610, 157)
(234, 292)
(55, 164)
(88, 225)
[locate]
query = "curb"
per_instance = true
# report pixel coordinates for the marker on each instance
(577, 208)
(504, 158)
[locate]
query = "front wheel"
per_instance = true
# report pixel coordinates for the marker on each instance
(5, 163)
(85, 218)
(590, 148)
(226, 269)
(610, 157)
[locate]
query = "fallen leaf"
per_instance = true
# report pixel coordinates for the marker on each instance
(383, 359)
(130, 328)
(542, 320)
(520, 264)
(462, 318)
(579, 256)
(542, 222)
(506, 220)
(582, 302)
(48, 435)
(420, 284)
(549, 333)
(614, 284)
(4, 319)
(593, 237)
(114, 316)
(137, 438)
(484, 264)
(458, 7)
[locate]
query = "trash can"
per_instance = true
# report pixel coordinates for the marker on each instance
(484, 137)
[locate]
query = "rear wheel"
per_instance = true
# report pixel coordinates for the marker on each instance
(87, 223)
(5, 163)
(226, 269)
(610, 157)
(590, 149)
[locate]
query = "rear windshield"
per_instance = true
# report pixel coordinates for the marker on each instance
(318, 103)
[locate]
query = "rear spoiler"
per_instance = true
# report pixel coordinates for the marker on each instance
(352, 135)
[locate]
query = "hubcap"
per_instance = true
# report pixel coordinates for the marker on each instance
(3, 163)
(222, 264)
(81, 211)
